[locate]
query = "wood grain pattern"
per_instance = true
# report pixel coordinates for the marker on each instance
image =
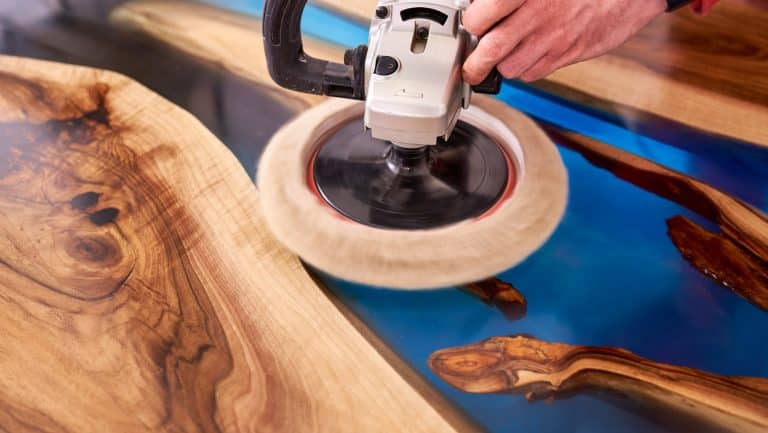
(543, 370)
(707, 73)
(139, 290)
(743, 225)
(720, 258)
(501, 295)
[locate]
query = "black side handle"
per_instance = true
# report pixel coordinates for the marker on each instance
(491, 85)
(293, 69)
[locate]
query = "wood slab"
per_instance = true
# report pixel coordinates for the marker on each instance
(139, 290)
(544, 370)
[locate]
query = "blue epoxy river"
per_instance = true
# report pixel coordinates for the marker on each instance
(609, 276)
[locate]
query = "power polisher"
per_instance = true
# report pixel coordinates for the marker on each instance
(414, 165)
(419, 186)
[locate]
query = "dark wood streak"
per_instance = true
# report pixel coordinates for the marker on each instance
(84, 200)
(122, 266)
(720, 258)
(542, 370)
(741, 223)
(501, 295)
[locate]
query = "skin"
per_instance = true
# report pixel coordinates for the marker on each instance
(529, 39)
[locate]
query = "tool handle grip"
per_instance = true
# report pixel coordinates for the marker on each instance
(491, 85)
(292, 68)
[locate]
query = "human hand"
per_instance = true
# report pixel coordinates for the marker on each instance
(529, 39)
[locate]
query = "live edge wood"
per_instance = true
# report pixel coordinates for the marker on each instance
(745, 227)
(543, 370)
(717, 256)
(139, 289)
(740, 221)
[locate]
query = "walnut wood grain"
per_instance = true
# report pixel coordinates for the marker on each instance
(720, 258)
(691, 49)
(501, 295)
(544, 370)
(705, 73)
(139, 289)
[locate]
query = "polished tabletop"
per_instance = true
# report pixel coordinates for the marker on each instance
(609, 276)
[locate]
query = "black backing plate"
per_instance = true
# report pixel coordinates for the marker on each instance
(378, 184)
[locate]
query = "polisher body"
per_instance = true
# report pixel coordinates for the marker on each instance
(414, 86)
(415, 188)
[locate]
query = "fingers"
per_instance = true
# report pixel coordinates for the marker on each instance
(540, 53)
(496, 45)
(523, 57)
(481, 15)
(555, 59)
(545, 66)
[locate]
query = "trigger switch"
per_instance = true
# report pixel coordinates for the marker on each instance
(385, 65)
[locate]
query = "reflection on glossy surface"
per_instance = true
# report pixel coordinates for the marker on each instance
(608, 277)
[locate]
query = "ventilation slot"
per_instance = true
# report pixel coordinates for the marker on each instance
(423, 13)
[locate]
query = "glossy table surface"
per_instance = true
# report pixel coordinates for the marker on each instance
(609, 276)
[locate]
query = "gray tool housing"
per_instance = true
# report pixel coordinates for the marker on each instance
(414, 89)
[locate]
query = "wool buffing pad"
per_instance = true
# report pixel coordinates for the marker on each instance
(460, 253)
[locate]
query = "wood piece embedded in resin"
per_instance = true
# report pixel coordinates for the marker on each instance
(718, 257)
(502, 295)
(745, 228)
(543, 370)
(743, 223)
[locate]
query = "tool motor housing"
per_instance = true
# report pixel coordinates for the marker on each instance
(410, 77)
(413, 73)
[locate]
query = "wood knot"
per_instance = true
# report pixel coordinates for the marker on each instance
(94, 248)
